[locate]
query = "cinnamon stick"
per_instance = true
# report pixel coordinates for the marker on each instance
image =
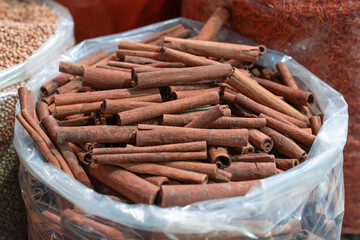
(69, 86)
(261, 140)
(182, 195)
(183, 94)
(80, 121)
(157, 180)
(220, 157)
(213, 24)
(125, 182)
(244, 171)
(206, 118)
(253, 157)
(42, 110)
(286, 164)
(116, 106)
(156, 110)
(84, 156)
(68, 110)
(213, 137)
(315, 124)
(170, 172)
(177, 147)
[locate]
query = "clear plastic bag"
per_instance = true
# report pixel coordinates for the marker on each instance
(310, 195)
(57, 44)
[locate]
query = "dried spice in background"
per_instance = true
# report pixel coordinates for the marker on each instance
(321, 35)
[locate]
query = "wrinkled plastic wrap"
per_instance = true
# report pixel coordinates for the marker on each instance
(53, 47)
(311, 193)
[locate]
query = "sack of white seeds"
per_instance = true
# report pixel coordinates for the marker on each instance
(308, 199)
(31, 35)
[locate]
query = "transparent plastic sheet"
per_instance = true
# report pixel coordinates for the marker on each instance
(311, 193)
(53, 47)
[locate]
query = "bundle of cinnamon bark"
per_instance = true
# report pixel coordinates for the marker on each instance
(172, 120)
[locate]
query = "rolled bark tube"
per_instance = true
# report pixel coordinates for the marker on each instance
(163, 33)
(182, 195)
(244, 53)
(71, 68)
(116, 159)
(213, 137)
(177, 147)
(43, 147)
(100, 134)
(223, 176)
(188, 59)
(138, 46)
(52, 109)
(292, 131)
(184, 94)
(74, 98)
(125, 70)
(167, 65)
(205, 168)
(34, 125)
(157, 180)
(88, 147)
(125, 65)
(244, 171)
(170, 172)
(121, 53)
(261, 140)
(79, 174)
(71, 85)
(219, 156)
(84, 156)
(105, 79)
(285, 145)
(315, 124)
(48, 100)
(253, 90)
(156, 110)
(247, 149)
(116, 106)
(286, 164)
(228, 96)
(191, 87)
(68, 110)
(73, 219)
(199, 110)
(81, 121)
(31, 105)
(213, 24)
(206, 118)
(51, 86)
(223, 122)
(259, 108)
(128, 184)
(42, 110)
(293, 95)
(180, 76)
(253, 157)
(140, 60)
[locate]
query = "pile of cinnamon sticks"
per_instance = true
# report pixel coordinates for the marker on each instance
(172, 121)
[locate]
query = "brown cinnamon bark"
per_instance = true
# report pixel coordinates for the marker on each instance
(138, 46)
(43, 147)
(261, 140)
(79, 174)
(80, 121)
(182, 195)
(140, 60)
(223, 122)
(48, 100)
(75, 98)
(220, 157)
(34, 125)
(244, 171)
(293, 95)
(183, 94)
(259, 108)
(252, 89)
(116, 106)
(68, 110)
(190, 87)
(117, 159)
(156, 110)
(253, 157)
(213, 137)
(180, 76)
(206, 118)
(247, 149)
(286, 164)
(84, 156)
(71, 85)
(42, 110)
(315, 124)
(291, 131)
(126, 65)
(100, 134)
(170, 172)
(163, 33)
(213, 24)
(157, 180)
(177, 147)
(125, 182)
(216, 49)
(51, 86)
(284, 145)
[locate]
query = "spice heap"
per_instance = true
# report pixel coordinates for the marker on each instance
(187, 121)
(24, 28)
